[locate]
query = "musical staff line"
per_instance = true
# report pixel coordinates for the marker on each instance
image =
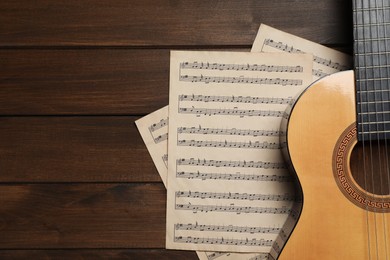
(232, 208)
(229, 144)
(241, 79)
(262, 256)
(235, 196)
(215, 255)
(165, 159)
(233, 176)
(234, 164)
(235, 99)
(259, 256)
(223, 241)
(231, 131)
(233, 112)
(239, 67)
(229, 228)
(286, 48)
(159, 125)
(319, 73)
(161, 138)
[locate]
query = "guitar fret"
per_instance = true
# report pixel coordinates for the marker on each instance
(372, 67)
(383, 8)
(374, 102)
(376, 79)
(371, 123)
(372, 91)
(372, 39)
(372, 71)
(372, 53)
(373, 113)
(375, 132)
(366, 25)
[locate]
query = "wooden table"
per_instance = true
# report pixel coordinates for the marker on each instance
(76, 179)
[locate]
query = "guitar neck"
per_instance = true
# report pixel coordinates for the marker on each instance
(372, 64)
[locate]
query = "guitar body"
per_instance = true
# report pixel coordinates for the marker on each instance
(339, 219)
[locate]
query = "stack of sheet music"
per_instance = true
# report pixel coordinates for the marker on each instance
(228, 188)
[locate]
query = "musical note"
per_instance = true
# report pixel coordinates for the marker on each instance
(235, 196)
(319, 73)
(235, 99)
(233, 112)
(229, 228)
(165, 159)
(286, 48)
(243, 164)
(161, 138)
(242, 79)
(259, 256)
(239, 67)
(223, 241)
(277, 248)
(232, 208)
(229, 144)
(215, 255)
(156, 126)
(233, 176)
(199, 106)
(231, 131)
(262, 256)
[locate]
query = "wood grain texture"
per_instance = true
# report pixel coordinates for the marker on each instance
(98, 254)
(82, 82)
(82, 216)
(73, 149)
(76, 180)
(167, 23)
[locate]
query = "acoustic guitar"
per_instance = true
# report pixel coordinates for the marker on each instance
(338, 143)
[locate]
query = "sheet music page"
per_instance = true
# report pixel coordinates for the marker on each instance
(154, 131)
(233, 256)
(325, 60)
(228, 187)
(158, 147)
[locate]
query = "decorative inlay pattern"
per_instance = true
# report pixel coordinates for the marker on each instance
(343, 177)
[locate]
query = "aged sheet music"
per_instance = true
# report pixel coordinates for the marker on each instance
(325, 60)
(148, 127)
(157, 120)
(228, 187)
(154, 131)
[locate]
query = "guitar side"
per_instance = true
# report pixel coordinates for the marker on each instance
(331, 226)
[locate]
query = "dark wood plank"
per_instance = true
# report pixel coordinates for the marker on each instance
(82, 216)
(73, 149)
(100, 81)
(84, 82)
(167, 23)
(98, 254)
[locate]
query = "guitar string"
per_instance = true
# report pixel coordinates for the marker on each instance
(382, 97)
(358, 83)
(375, 16)
(380, 50)
(373, 85)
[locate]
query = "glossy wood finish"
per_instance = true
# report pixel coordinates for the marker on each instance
(76, 180)
(330, 225)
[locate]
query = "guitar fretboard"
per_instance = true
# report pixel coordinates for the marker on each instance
(372, 63)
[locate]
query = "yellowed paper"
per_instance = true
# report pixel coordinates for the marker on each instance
(154, 131)
(228, 187)
(285, 42)
(151, 128)
(233, 256)
(325, 60)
